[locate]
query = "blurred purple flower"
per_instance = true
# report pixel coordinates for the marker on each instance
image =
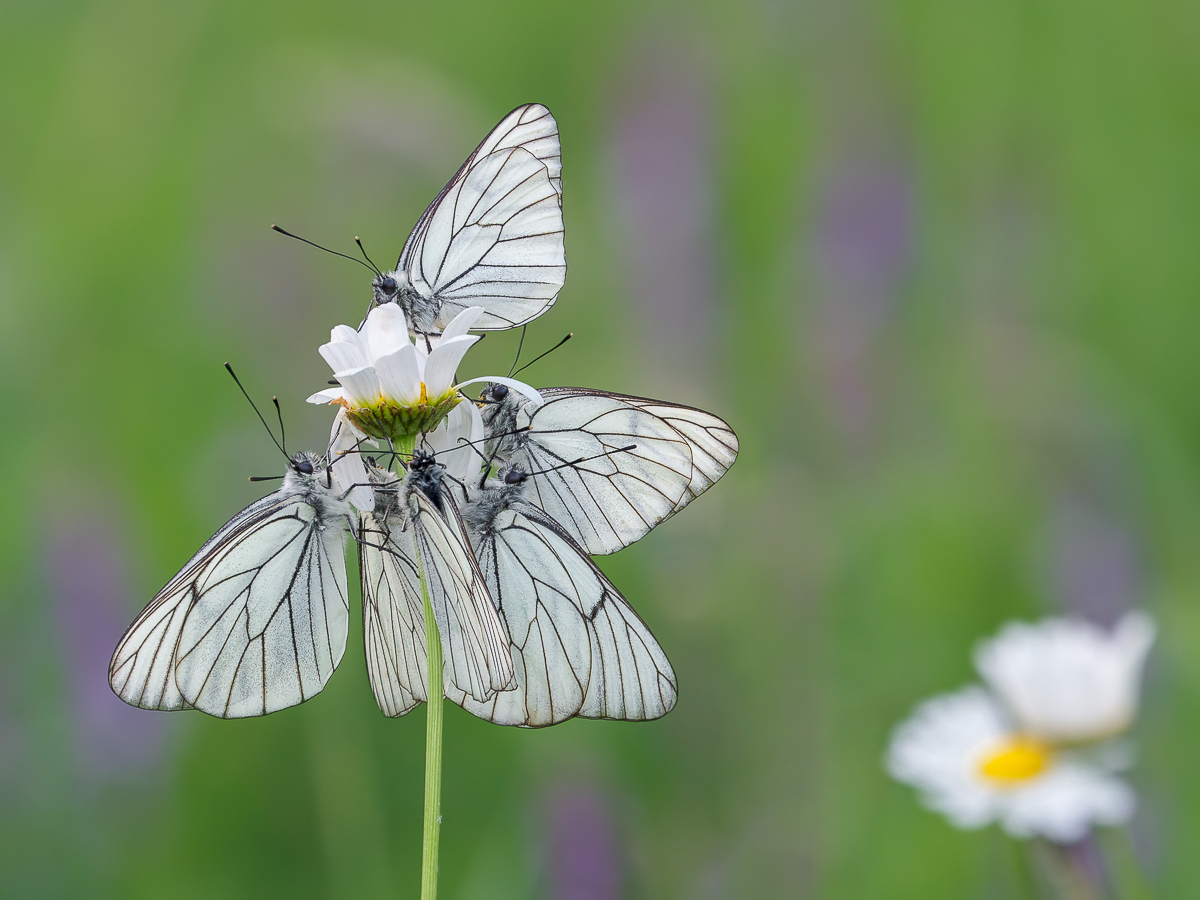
(585, 859)
(1094, 562)
(662, 170)
(862, 246)
(90, 598)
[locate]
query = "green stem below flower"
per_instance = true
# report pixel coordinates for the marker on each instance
(433, 745)
(433, 720)
(1122, 858)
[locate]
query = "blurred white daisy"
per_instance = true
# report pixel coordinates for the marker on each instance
(1033, 753)
(1067, 680)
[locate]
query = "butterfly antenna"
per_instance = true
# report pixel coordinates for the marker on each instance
(489, 461)
(584, 459)
(265, 477)
(326, 249)
(370, 262)
(237, 381)
(520, 344)
(540, 356)
(282, 433)
(463, 442)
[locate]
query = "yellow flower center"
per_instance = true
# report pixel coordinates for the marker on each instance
(387, 419)
(1018, 759)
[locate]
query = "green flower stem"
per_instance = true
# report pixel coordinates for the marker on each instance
(1026, 872)
(433, 746)
(1122, 858)
(433, 723)
(1071, 882)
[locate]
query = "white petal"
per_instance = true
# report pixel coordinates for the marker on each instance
(347, 464)
(446, 441)
(462, 323)
(476, 430)
(1066, 679)
(348, 335)
(1065, 803)
(362, 385)
(342, 355)
(329, 395)
(519, 386)
(443, 363)
(400, 374)
(937, 750)
(386, 331)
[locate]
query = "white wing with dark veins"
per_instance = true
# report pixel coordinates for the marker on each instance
(475, 656)
(255, 622)
(493, 237)
(579, 649)
(713, 444)
(607, 501)
(393, 621)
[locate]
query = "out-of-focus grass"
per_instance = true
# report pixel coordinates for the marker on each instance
(940, 276)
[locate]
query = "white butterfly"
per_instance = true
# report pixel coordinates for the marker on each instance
(642, 460)
(493, 236)
(256, 621)
(414, 528)
(578, 648)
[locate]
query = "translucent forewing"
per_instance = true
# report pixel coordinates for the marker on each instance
(255, 622)
(615, 495)
(476, 659)
(393, 621)
(713, 444)
(579, 649)
(493, 237)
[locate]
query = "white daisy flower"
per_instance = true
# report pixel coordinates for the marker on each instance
(390, 386)
(970, 763)
(393, 388)
(1066, 680)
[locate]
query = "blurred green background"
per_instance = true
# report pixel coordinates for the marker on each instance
(935, 261)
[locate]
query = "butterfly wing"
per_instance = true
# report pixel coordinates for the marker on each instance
(475, 657)
(474, 645)
(493, 237)
(393, 621)
(142, 670)
(268, 616)
(608, 502)
(713, 444)
(578, 648)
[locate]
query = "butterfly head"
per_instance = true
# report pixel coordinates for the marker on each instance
(388, 286)
(422, 461)
(425, 475)
(304, 464)
(308, 474)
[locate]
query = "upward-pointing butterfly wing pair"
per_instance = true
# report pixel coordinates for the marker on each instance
(493, 236)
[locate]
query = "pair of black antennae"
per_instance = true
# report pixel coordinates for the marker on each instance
(282, 442)
(369, 264)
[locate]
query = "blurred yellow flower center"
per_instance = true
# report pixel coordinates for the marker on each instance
(1016, 760)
